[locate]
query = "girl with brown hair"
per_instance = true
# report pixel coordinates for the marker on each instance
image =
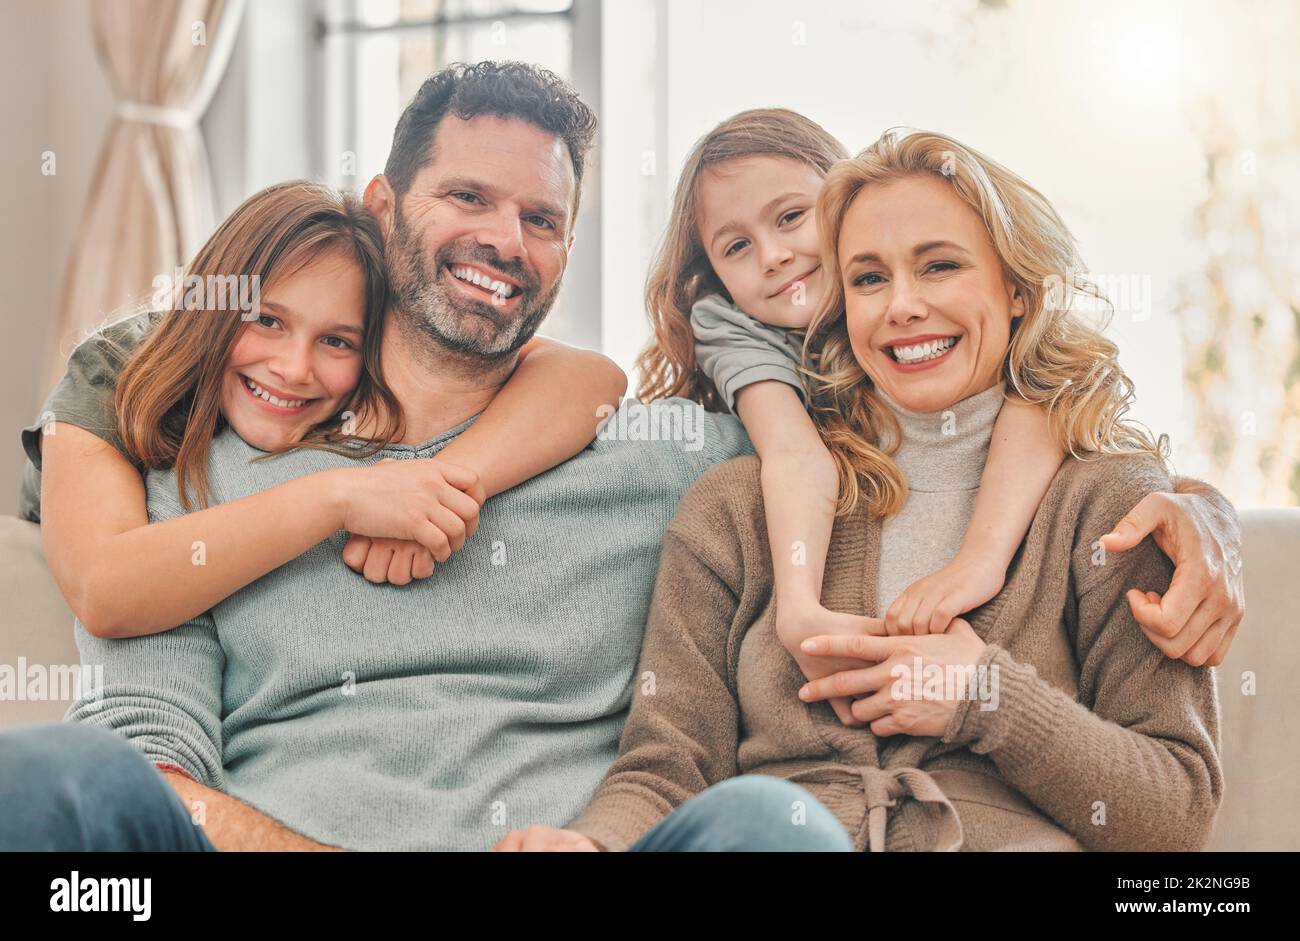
(301, 370)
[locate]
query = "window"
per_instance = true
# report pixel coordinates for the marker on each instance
(374, 54)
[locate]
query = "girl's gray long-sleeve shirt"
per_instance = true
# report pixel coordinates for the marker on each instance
(735, 350)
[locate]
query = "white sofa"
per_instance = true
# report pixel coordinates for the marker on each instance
(1261, 757)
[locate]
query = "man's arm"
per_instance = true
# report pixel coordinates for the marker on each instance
(233, 826)
(163, 693)
(1197, 528)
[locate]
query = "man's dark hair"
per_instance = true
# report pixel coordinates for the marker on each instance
(503, 89)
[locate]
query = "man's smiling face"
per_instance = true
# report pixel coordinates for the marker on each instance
(478, 244)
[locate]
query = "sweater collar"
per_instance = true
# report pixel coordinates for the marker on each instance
(945, 451)
(427, 448)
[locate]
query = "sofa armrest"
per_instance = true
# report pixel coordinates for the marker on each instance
(1260, 723)
(35, 629)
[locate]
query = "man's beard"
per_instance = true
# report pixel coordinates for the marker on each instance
(461, 324)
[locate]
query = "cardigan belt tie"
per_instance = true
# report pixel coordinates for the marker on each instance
(882, 788)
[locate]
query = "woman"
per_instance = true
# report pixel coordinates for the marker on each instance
(1075, 732)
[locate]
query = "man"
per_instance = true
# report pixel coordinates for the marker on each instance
(314, 710)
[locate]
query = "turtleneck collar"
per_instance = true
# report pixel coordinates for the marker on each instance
(945, 451)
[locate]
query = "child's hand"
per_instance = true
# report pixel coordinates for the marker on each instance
(395, 561)
(426, 501)
(798, 625)
(929, 604)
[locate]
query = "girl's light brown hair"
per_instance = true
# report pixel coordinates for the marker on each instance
(681, 273)
(1057, 358)
(168, 396)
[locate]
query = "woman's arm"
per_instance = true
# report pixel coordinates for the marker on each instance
(1131, 765)
(1023, 459)
(681, 733)
(1131, 762)
(124, 577)
(547, 412)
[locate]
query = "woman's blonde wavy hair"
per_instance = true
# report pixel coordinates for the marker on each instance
(681, 272)
(1057, 358)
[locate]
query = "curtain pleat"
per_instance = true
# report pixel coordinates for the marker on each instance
(150, 204)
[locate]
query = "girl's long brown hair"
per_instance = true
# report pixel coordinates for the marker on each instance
(681, 273)
(168, 396)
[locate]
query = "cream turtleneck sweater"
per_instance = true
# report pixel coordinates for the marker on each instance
(942, 456)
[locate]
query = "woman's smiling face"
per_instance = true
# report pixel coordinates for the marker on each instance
(297, 361)
(927, 303)
(756, 223)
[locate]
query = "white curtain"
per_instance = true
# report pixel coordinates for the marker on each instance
(150, 202)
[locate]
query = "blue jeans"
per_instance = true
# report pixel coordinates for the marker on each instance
(76, 788)
(754, 812)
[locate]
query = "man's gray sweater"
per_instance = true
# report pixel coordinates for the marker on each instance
(436, 715)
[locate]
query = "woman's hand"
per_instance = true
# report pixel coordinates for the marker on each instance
(795, 624)
(1198, 616)
(541, 839)
(895, 698)
(929, 604)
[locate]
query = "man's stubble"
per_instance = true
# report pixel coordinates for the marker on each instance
(470, 330)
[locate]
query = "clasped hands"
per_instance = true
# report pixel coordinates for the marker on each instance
(869, 675)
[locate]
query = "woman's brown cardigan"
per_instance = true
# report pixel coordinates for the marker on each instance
(1099, 741)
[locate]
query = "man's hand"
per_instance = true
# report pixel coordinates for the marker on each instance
(233, 827)
(542, 839)
(1198, 616)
